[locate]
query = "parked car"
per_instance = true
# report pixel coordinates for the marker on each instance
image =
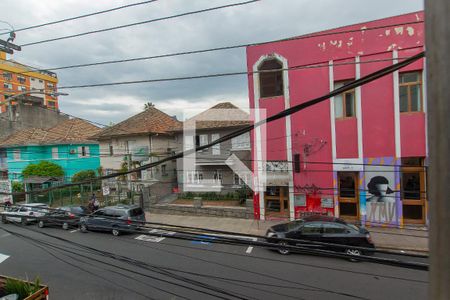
(65, 217)
(116, 219)
(25, 213)
(323, 229)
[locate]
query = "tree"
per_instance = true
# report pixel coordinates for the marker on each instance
(43, 168)
(84, 175)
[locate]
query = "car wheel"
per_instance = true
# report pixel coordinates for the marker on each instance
(65, 226)
(4, 221)
(281, 250)
(115, 231)
(353, 252)
(83, 228)
(41, 224)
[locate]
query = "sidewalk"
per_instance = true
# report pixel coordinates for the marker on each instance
(414, 240)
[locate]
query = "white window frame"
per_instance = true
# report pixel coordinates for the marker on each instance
(189, 142)
(216, 147)
(218, 177)
(83, 151)
(16, 154)
(241, 142)
(55, 153)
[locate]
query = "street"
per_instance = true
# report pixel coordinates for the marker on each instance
(148, 267)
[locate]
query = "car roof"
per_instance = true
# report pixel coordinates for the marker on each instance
(320, 218)
(124, 206)
(34, 204)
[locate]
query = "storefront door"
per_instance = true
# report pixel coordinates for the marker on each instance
(276, 200)
(348, 195)
(413, 191)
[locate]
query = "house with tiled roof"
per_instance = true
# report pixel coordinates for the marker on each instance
(138, 140)
(67, 144)
(209, 170)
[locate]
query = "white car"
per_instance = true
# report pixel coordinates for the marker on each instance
(26, 213)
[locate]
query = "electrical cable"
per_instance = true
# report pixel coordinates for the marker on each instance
(363, 80)
(141, 22)
(81, 16)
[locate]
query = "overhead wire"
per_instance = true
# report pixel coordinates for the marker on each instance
(363, 80)
(141, 22)
(81, 16)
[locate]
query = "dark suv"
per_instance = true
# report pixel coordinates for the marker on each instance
(116, 219)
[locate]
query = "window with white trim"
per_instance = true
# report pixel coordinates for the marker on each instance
(55, 153)
(271, 78)
(83, 151)
(344, 104)
(8, 86)
(241, 142)
(22, 88)
(216, 147)
(218, 177)
(16, 154)
(194, 177)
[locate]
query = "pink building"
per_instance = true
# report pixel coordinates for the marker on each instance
(361, 155)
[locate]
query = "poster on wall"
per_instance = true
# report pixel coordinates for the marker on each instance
(381, 204)
(5, 187)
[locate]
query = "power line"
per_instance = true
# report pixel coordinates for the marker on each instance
(225, 48)
(356, 83)
(81, 16)
(226, 74)
(141, 23)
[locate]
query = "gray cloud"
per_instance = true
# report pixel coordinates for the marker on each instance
(261, 21)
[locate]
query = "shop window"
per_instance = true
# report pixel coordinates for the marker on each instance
(271, 78)
(410, 85)
(344, 104)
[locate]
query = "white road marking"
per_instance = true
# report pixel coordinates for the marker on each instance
(148, 238)
(160, 231)
(72, 231)
(3, 257)
(249, 250)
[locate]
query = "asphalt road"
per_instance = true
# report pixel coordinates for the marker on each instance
(146, 267)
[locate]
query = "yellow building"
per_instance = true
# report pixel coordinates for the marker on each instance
(17, 78)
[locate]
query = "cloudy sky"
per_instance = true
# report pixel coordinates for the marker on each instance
(257, 22)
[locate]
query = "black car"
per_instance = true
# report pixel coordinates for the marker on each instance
(323, 229)
(116, 219)
(65, 217)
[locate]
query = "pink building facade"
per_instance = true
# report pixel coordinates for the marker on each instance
(361, 155)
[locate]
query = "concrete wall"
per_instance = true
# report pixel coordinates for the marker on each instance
(27, 116)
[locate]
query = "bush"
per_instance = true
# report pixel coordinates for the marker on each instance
(84, 175)
(22, 288)
(17, 187)
(43, 168)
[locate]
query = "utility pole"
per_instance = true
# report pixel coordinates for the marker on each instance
(438, 95)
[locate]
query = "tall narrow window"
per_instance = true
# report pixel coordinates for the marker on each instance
(297, 163)
(55, 153)
(111, 150)
(344, 104)
(271, 78)
(410, 85)
(413, 189)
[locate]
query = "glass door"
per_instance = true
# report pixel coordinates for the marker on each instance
(348, 195)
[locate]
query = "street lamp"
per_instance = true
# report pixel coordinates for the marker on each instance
(40, 92)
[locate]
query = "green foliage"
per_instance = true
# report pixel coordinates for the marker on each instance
(22, 288)
(84, 175)
(17, 187)
(43, 168)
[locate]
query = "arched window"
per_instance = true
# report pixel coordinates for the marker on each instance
(271, 83)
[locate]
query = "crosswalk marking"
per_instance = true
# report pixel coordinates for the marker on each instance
(72, 231)
(249, 250)
(149, 238)
(3, 257)
(160, 231)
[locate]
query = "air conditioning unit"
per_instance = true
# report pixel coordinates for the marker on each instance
(72, 151)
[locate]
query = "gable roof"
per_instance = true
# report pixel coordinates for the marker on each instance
(221, 115)
(69, 131)
(151, 120)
